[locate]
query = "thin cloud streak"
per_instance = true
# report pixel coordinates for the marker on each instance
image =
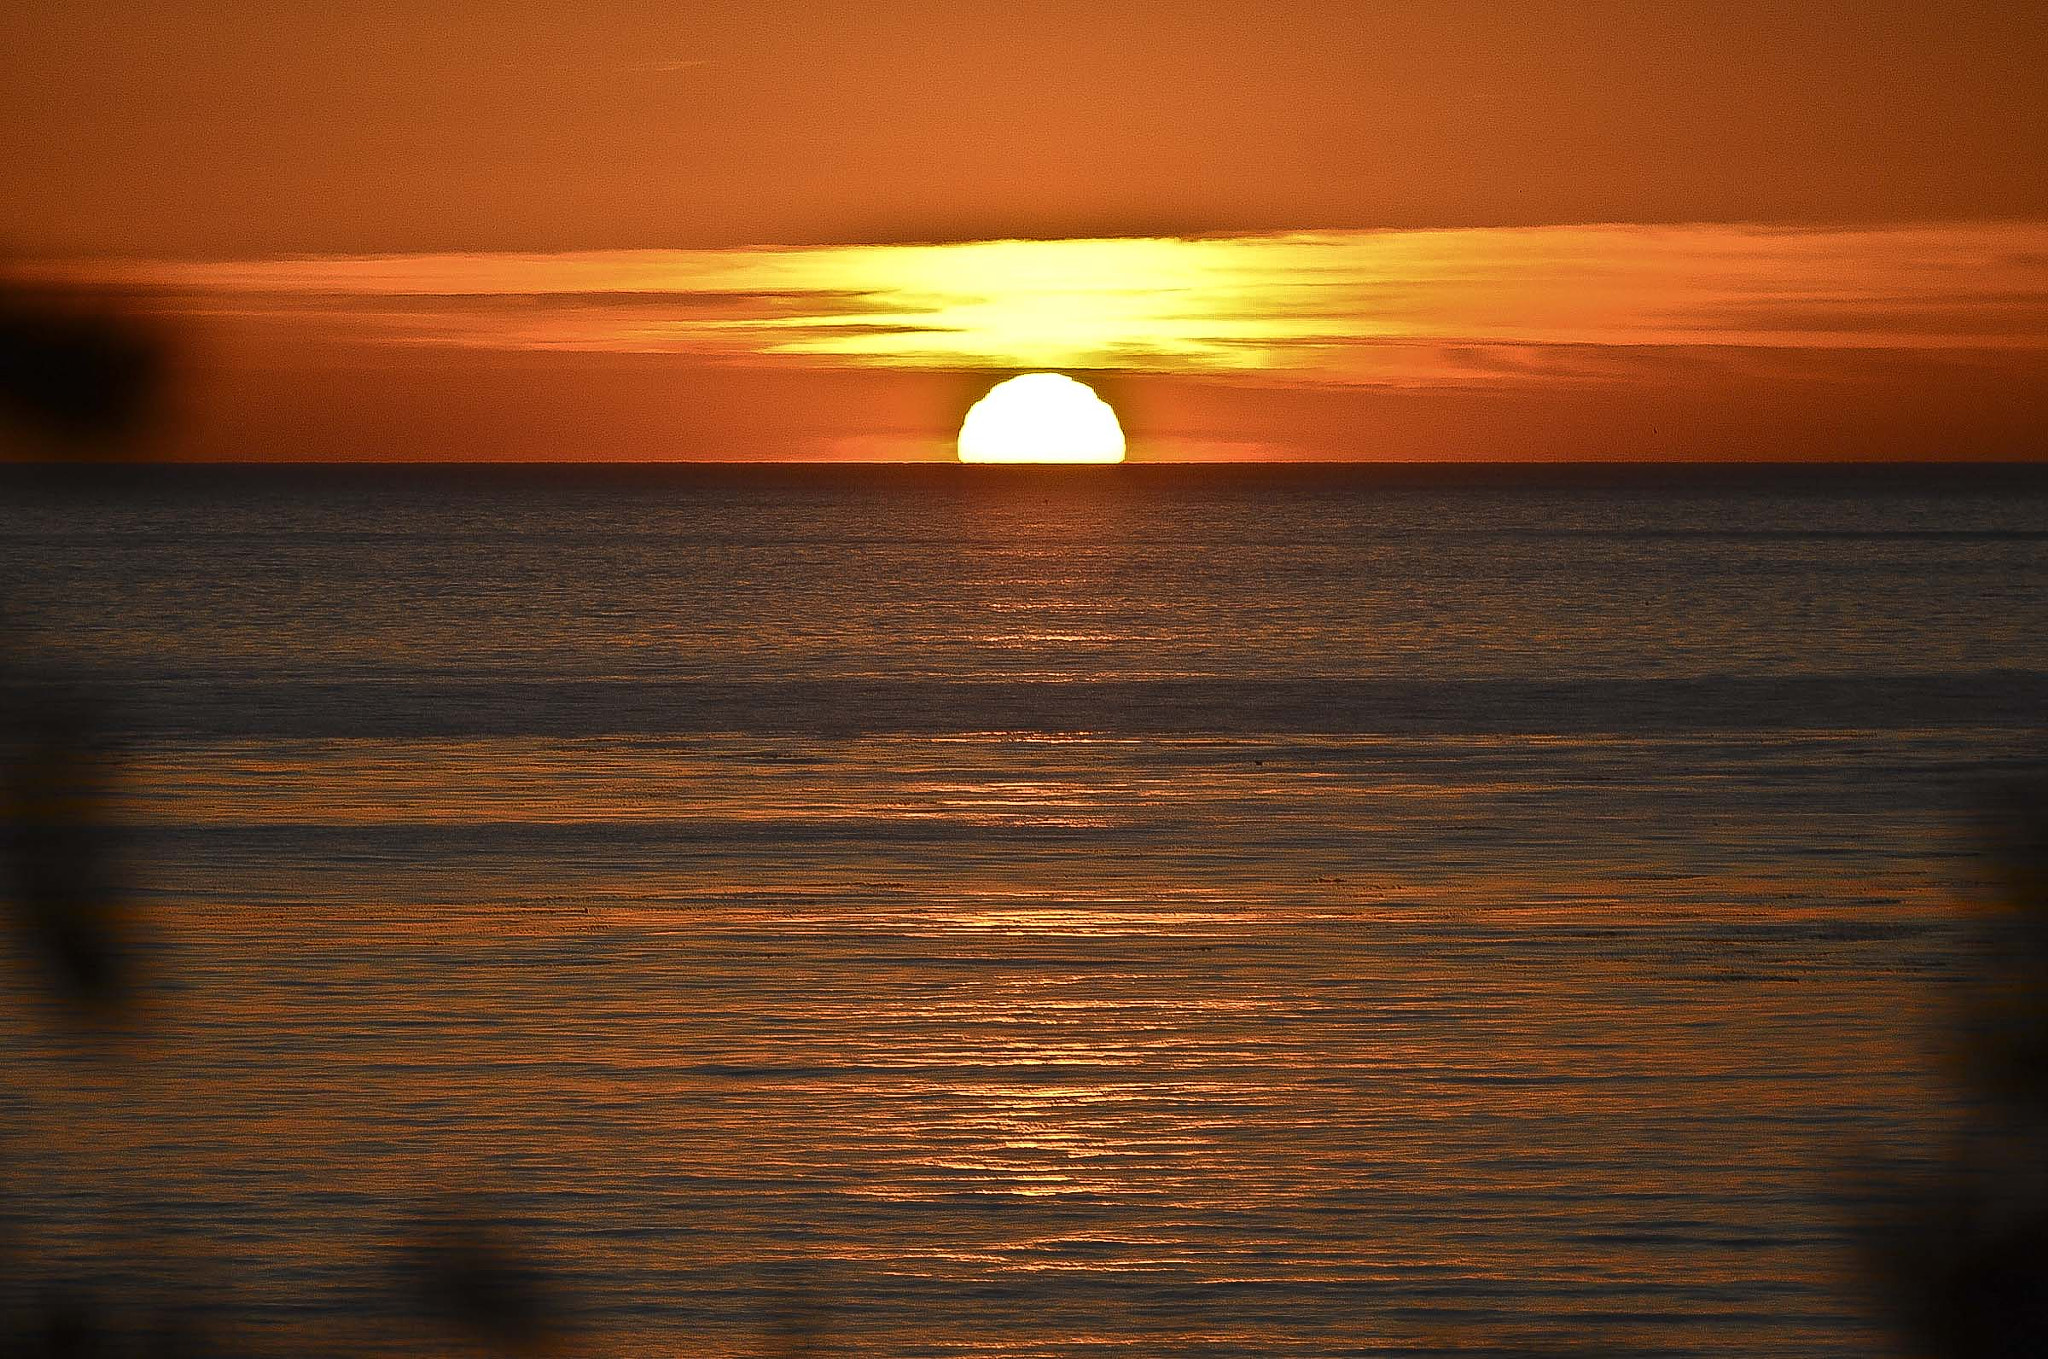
(1485, 307)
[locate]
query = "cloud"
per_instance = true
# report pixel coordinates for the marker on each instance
(1483, 306)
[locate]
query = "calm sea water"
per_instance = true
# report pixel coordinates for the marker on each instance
(948, 911)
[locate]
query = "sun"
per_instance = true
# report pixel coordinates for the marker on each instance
(1041, 417)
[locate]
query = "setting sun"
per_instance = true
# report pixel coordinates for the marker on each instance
(1041, 417)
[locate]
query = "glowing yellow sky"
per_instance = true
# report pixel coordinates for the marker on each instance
(1403, 307)
(1920, 340)
(1290, 229)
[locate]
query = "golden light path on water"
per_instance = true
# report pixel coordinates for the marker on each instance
(1025, 1095)
(1038, 916)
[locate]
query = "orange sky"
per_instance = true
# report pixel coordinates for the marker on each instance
(1341, 230)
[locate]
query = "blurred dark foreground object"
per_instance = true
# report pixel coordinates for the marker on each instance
(79, 379)
(60, 855)
(477, 1280)
(80, 374)
(103, 1320)
(1962, 1257)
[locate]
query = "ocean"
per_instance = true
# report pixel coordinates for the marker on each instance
(947, 911)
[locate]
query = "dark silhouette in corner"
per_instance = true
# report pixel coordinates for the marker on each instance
(1960, 1257)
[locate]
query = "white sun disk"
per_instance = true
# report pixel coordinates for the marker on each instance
(1041, 417)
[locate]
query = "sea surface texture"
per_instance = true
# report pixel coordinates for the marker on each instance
(984, 912)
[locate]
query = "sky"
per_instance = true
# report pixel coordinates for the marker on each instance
(1454, 230)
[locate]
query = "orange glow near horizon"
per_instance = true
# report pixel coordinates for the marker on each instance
(1460, 231)
(1622, 340)
(1340, 307)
